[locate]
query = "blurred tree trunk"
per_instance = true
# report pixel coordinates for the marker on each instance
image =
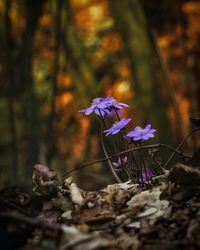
(78, 60)
(196, 71)
(194, 88)
(10, 94)
(52, 148)
(86, 86)
(134, 31)
(14, 148)
(169, 90)
(29, 100)
(21, 83)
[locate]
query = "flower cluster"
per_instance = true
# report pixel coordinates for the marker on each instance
(102, 106)
(107, 107)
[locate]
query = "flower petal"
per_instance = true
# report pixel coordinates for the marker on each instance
(132, 133)
(151, 135)
(123, 104)
(137, 138)
(115, 164)
(138, 129)
(152, 131)
(115, 131)
(145, 137)
(126, 121)
(82, 110)
(88, 111)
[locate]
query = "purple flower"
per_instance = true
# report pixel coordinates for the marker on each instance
(145, 177)
(141, 134)
(115, 112)
(113, 104)
(117, 126)
(102, 106)
(98, 106)
(117, 166)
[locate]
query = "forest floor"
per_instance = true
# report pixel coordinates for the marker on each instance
(59, 215)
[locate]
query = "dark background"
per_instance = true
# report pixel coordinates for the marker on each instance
(56, 56)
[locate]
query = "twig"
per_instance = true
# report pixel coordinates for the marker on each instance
(12, 205)
(127, 151)
(21, 218)
(180, 145)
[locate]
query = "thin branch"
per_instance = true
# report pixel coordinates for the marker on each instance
(12, 205)
(180, 145)
(21, 218)
(127, 151)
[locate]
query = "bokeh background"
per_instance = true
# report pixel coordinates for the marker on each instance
(56, 56)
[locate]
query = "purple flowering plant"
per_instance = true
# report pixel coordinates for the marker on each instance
(107, 109)
(145, 176)
(98, 106)
(102, 106)
(117, 166)
(141, 134)
(117, 126)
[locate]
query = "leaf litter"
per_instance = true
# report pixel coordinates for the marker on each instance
(59, 215)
